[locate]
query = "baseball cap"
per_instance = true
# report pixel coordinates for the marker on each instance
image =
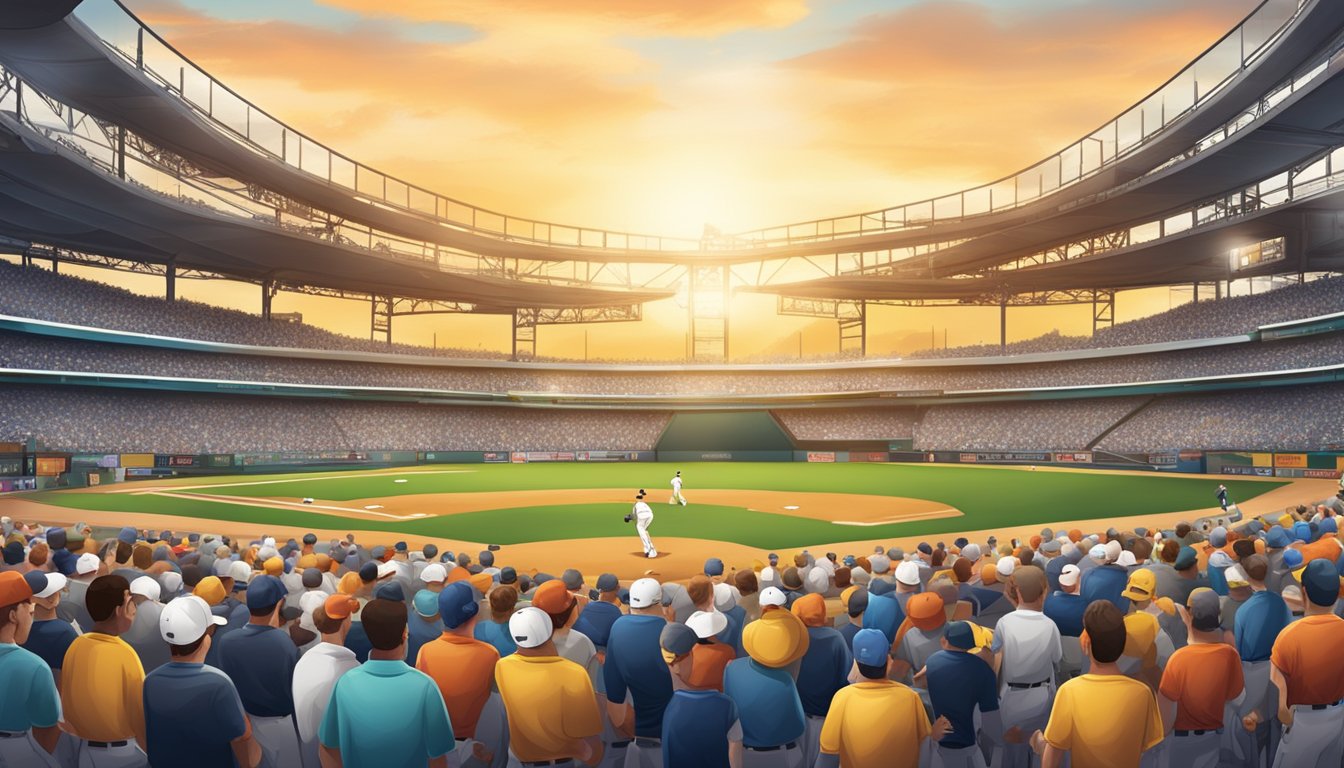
(239, 572)
(385, 570)
(855, 600)
(378, 552)
(86, 564)
(55, 582)
(434, 573)
(773, 596)
(390, 591)
(960, 635)
(147, 587)
(1218, 537)
(1236, 577)
(340, 606)
(925, 611)
(508, 575)
(1205, 609)
(1006, 565)
(37, 582)
(1320, 582)
(882, 563)
(210, 590)
(676, 640)
(530, 627)
(1126, 559)
(775, 640)
(1185, 558)
(811, 610)
(608, 582)
(907, 573)
(1097, 552)
(645, 593)
(1051, 547)
(572, 579)
(724, 598)
(1069, 575)
(971, 552)
(1141, 586)
(713, 567)
(707, 624)
(308, 603)
(481, 582)
(552, 597)
(426, 603)
(264, 593)
(185, 620)
(457, 604)
(871, 648)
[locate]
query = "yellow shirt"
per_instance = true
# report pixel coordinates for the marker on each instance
(878, 723)
(551, 706)
(1104, 721)
(102, 688)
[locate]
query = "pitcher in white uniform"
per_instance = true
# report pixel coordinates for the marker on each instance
(643, 517)
(677, 498)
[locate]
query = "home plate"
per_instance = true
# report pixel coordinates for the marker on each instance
(795, 506)
(399, 480)
(418, 514)
(374, 506)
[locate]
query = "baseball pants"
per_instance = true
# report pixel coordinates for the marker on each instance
(614, 756)
(677, 498)
(279, 740)
(1243, 748)
(1028, 709)
(492, 730)
(962, 757)
(642, 526)
(812, 739)
(644, 753)
(21, 749)
(125, 756)
(1190, 751)
(1315, 740)
(782, 757)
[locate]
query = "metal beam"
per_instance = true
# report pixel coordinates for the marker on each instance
(524, 334)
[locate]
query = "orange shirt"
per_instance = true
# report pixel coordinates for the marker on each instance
(1307, 652)
(1201, 679)
(1324, 548)
(464, 670)
(707, 663)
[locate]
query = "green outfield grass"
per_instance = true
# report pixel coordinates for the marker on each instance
(988, 498)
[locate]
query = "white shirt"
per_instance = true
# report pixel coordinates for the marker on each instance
(314, 678)
(1030, 644)
(643, 512)
(676, 483)
(576, 647)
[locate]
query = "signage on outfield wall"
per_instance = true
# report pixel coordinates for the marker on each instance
(1322, 474)
(968, 458)
(868, 456)
(137, 460)
(1290, 460)
(1190, 455)
(1163, 459)
(1020, 456)
(1077, 457)
(821, 457)
(495, 457)
(1250, 471)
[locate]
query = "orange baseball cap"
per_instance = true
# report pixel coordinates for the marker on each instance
(484, 581)
(552, 597)
(811, 609)
(340, 606)
(307, 561)
(989, 573)
(458, 574)
(926, 610)
(274, 566)
(14, 588)
(349, 583)
(210, 589)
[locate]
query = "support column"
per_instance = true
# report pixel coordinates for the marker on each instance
(1103, 310)
(524, 333)
(267, 291)
(1003, 323)
(852, 317)
(707, 306)
(170, 281)
(380, 319)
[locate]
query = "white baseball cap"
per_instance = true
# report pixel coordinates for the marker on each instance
(1113, 550)
(222, 566)
(309, 602)
(386, 569)
(240, 572)
(724, 597)
(1007, 564)
(1126, 559)
(907, 573)
(146, 586)
(817, 580)
(530, 627)
(707, 623)
(1069, 576)
(86, 564)
(1097, 552)
(55, 583)
(971, 552)
(773, 596)
(645, 593)
(185, 620)
(769, 576)
(434, 573)
(880, 563)
(171, 581)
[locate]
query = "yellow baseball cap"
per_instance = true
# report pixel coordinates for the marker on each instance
(210, 589)
(775, 640)
(1142, 584)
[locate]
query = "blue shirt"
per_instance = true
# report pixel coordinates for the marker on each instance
(1106, 582)
(260, 661)
(732, 634)
(50, 639)
(1258, 624)
(884, 614)
(824, 670)
(192, 714)
(594, 622)
(696, 725)
(497, 634)
(387, 715)
(958, 683)
(419, 632)
(1066, 611)
(357, 640)
(635, 662)
(30, 699)
(849, 631)
(767, 703)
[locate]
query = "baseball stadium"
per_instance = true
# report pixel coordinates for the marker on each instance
(269, 384)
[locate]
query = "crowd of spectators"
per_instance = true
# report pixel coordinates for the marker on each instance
(45, 295)
(848, 423)
(1021, 426)
(1200, 645)
(93, 420)
(34, 352)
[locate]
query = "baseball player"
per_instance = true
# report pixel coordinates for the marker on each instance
(1222, 496)
(677, 498)
(643, 515)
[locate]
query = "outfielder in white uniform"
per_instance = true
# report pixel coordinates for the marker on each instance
(643, 519)
(677, 498)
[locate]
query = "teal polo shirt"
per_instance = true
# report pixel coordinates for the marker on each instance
(30, 699)
(387, 714)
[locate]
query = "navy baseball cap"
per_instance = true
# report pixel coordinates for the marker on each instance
(713, 567)
(507, 575)
(310, 538)
(608, 582)
(1185, 558)
(677, 639)
(390, 591)
(772, 557)
(263, 592)
(959, 635)
(961, 541)
(13, 553)
(871, 648)
(400, 546)
(457, 604)
(486, 558)
(368, 572)
(1320, 582)
(378, 552)
(572, 578)
(37, 581)
(1277, 538)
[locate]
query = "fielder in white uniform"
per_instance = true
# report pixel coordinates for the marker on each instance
(643, 515)
(677, 498)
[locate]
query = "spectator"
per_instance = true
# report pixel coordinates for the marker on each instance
(495, 631)
(601, 612)
(425, 625)
(1309, 674)
(386, 713)
(260, 660)
(635, 664)
(144, 635)
(1026, 648)
(49, 637)
(769, 708)
(700, 725)
(463, 668)
(190, 708)
(317, 671)
(1199, 681)
(1255, 629)
(960, 683)
(31, 706)
(824, 669)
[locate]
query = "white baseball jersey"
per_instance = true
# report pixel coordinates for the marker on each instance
(643, 512)
(676, 484)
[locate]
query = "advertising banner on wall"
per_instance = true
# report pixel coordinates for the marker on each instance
(868, 456)
(1322, 474)
(821, 457)
(495, 457)
(1076, 457)
(1290, 460)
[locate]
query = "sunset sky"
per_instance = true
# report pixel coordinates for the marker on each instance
(667, 116)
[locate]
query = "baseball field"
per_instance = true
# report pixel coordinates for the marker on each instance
(562, 515)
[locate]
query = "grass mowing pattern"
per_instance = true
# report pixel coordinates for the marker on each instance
(989, 498)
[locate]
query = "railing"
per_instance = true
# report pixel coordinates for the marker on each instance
(259, 131)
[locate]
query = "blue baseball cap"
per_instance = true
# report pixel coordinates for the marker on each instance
(608, 582)
(1292, 558)
(368, 572)
(871, 648)
(713, 567)
(390, 591)
(1328, 525)
(960, 635)
(1185, 558)
(127, 535)
(1302, 531)
(263, 592)
(37, 581)
(1277, 538)
(1320, 582)
(457, 604)
(426, 603)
